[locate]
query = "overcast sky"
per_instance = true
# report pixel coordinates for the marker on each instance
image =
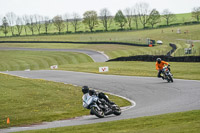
(59, 7)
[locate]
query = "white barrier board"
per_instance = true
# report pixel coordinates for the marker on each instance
(54, 67)
(103, 69)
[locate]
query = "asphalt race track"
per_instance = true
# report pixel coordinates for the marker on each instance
(152, 96)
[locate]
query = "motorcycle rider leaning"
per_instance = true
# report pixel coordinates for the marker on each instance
(159, 66)
(87, 93)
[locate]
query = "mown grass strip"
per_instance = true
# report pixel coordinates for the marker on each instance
(30, 101)
(187, 122)
(21, 60)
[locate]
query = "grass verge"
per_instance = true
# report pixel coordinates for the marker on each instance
(180, 70)
(29, 101)
(21, 60)
(187, 122)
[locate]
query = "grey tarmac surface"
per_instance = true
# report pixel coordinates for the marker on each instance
(152, 96)
(96, 56)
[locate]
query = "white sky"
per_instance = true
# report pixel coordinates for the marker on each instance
(52, 8)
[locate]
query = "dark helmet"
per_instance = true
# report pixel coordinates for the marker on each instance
(85, 89)
(158, 60)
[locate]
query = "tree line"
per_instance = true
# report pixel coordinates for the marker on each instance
(139, 14)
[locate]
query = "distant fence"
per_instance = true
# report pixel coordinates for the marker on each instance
(163, 57)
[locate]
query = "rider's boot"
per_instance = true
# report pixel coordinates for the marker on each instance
(110, 102)
(91, 112)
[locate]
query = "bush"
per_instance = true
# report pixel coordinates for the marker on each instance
(120, 29)
(153, 58)
(99, 31)
(69, 32)
(162, 26)
(79, 32)
(113, 30)
(176, 24)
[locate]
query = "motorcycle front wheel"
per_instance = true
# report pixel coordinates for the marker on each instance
(98, 112)
(171, 79)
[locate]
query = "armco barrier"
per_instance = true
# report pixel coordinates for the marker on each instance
(153, 58)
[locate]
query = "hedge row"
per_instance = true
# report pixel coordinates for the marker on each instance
(163, 57)
(121, 43)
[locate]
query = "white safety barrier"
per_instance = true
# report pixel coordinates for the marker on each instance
(103, 69)
(54, 67)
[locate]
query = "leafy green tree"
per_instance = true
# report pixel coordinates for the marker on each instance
(90, 19)
(196, 13)
(31, 24)
(47, 24)
(106, 18)
(154, 17)
(26, 22)
(129, 17)
(168, 16)
(19, 25)
(59, 23)
(5, 26)
(11, 18)
(38, 22)
(75, 21)
(143, 13)
(120, 19)
(135, 16)
(66, 18)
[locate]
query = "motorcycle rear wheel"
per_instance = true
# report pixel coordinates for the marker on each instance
(117, 110)
(97, 112)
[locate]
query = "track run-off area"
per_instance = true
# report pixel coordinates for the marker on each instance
(149, 96)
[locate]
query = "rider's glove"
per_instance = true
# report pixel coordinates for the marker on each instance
(95, 99)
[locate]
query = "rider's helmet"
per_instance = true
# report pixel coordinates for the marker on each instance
(158, 60)
(85, 89)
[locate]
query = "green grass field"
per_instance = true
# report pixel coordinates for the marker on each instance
(164, 34)
(180, 70)
(31, 101)
(34, 60)
(185, 122)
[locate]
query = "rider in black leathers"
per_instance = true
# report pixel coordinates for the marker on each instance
(85, 90)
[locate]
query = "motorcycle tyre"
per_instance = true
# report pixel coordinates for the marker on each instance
(171, 79)
(95, 112)
(117, 111)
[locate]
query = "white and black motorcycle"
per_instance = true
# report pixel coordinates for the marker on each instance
(101, 108)
(167, 75)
